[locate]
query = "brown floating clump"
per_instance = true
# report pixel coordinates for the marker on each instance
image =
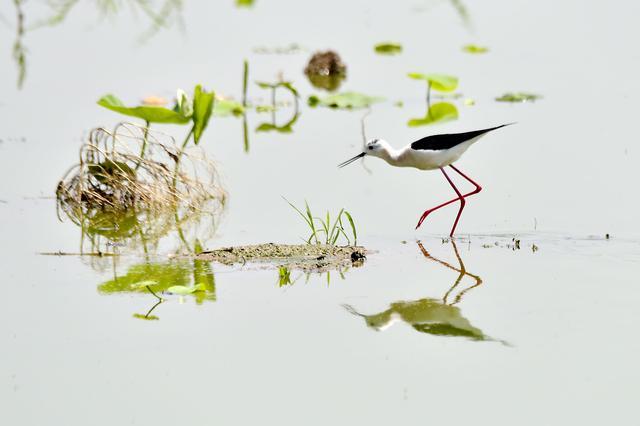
(325, 70)
(307, 257)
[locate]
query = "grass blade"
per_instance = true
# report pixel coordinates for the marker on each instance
(353, 227)
(334, 234)
(311, 221)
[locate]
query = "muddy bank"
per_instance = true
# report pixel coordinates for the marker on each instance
(307, 257)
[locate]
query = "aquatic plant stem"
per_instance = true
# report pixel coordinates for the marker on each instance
(145, 138)
(245, 82)
(177, 168)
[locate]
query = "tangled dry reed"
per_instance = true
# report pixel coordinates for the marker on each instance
(132, 182)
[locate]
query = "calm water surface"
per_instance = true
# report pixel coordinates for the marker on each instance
(475, 331)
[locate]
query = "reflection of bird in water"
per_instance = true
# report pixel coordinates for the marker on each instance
(432, 316)
(430, 153)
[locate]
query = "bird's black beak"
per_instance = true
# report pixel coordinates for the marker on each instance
(351, 160)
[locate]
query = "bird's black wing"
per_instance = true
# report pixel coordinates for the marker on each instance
(446, 141)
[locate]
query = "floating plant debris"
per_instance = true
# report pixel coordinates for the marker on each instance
(518, 97)
(286, 50)
(388, 48)
(346, 100)
(308, 257)
(474, 49)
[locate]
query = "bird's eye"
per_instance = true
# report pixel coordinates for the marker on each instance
(370, 147)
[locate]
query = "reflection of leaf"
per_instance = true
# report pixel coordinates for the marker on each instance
(439, 82)
(152, 114)
(163, 275)
(182, 290)
(146, 317)
(226, 107)
(438, 113)
(245, 3)
(474, 48)
(388, 48)
(202, 109)
(143, 284)
(347, 100)
(285, 128)
(518, 97)
(203, 277)
(285, 84)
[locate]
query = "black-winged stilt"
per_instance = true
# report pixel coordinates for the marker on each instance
(430, 153)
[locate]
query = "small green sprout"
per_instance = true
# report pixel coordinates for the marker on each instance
(323, 230)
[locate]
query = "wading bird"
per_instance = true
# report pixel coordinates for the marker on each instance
(430, 153)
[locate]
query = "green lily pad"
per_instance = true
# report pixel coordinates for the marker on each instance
(474, 49)
(388, 48)
(438, 113)
(346, 100)
(518, 97)
(152, 114)
(438, 82)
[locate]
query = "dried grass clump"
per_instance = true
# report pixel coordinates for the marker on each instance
(133, 167)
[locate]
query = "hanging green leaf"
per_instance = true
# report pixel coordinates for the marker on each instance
(202, 109)
(346, 100)
(438, 113)
(439, 82)
(388, 48)
(152, 114)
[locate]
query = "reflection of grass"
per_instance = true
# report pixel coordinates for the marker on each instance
(323, 230)
(160, 13)
(19, 51)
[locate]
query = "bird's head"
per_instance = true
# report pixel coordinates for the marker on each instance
(374, 147)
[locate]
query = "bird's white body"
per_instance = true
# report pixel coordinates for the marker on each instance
(430, 153)
(420, 159)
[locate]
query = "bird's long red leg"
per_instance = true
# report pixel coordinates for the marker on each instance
(478, 187)
(460, 197)
(475, 191)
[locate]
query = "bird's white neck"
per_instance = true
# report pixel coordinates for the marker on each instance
(391, 155)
